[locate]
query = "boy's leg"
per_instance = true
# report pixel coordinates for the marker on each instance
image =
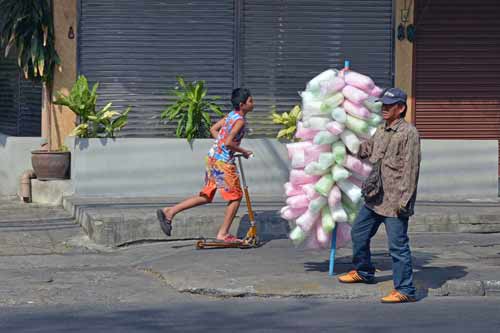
(363, 229)
(399, 247)
(231, 210)
(194, 201)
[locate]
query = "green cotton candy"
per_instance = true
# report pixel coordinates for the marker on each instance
(356, 125)
(375, 120)
(316, 205)
(351, 213)
(339, 115)
(326, 160)
(327, 221)
(331, 103)
(340, 151)
(373, 104)
(297, 236)
(324, 185)
(346, 202)
(340, 173)
(325, 138)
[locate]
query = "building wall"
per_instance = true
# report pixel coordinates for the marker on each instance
(65, 17)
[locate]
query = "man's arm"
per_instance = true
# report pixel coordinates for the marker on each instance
(410, 168)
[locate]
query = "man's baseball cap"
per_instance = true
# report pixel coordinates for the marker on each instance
(393, 96)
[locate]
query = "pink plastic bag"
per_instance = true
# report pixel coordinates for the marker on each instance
(297, 201)
(376, 91)
(334, 196)
(305, 133)
(331, 86)
(291, 190)
(312, 242)
(297, 146)
(335, 127)
(312, 153)
(343, 235)
(310, 192)
(324, 239)
(359, 81)
(289, 213)
(354, 94)
(355, 181)
(357, 110)
(299, 177)
(354, 164)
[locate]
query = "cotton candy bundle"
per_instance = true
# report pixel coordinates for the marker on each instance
(339, 110)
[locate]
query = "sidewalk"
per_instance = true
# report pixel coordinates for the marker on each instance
(445, 264)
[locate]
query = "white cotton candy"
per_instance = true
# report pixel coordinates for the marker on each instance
(297, 201)
(373, 104)
(316, 123)
(331, 86)
(355, 180)
(351, 141)
(310, 192)
(339, 173)
(326, 160)
(298, 160)
(323, 238)
(307, 220)
(315, 169)
(351, 190)
(327, 221)
(331, 103)
(339, 115)
(335, 127)
(375, 120)
(325, 137)
(295, 147)
(334, 196)
(338, 213)
(313, 153)
(354, 94)
(317, 204)
(314, 87)
(360, 81)
(304, 133)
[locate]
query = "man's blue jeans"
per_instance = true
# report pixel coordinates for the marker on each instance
(363, 229)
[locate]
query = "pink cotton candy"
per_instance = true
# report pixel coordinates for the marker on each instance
(310, 192)
(307, 220)
(331, 86)
(289, 213)
(354, 94)
(335, 127)
(343, 234)
(354, 164)
(297, 146)
(312, 242)
(334, 196)
(312, 153)
(305, 133)
(324, 239)
(359, 81)
(376, 91)
(355, 181)
(356, 110)
(365, 170)
(291, 189)
(298, 201)
(299, 177)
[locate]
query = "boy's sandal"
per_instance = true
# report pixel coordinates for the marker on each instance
(231, 239)
(165, 223)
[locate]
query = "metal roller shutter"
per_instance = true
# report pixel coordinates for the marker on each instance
(457, 74)
(136, 48)
(285, 43)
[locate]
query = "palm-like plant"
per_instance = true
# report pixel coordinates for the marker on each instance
(27, 28)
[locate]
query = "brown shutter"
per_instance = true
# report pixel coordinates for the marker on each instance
(457, 73)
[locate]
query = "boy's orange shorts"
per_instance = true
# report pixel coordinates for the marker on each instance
(222, 176)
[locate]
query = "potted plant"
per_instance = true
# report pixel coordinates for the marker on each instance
(27, 27)
(192, 109)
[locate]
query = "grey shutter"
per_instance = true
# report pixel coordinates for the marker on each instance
(136, 48)
(286, 43)
(20, 101)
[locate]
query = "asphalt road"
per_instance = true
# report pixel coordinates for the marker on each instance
(183, 313)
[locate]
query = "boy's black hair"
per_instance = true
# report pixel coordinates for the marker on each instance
(240, 95)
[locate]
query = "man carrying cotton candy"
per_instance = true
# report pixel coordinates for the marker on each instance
(390, 192)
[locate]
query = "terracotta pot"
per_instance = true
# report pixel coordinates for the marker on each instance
(49, 165)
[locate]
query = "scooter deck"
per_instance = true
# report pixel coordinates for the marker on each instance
(213, 244)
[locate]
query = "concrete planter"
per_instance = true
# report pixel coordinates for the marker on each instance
(131, 167)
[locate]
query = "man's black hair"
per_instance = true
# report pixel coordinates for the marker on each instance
(403, 114)
(240, 95)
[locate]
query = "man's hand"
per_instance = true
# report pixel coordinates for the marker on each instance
(402, 210)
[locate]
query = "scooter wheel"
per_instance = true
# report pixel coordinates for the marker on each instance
(200, 244)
